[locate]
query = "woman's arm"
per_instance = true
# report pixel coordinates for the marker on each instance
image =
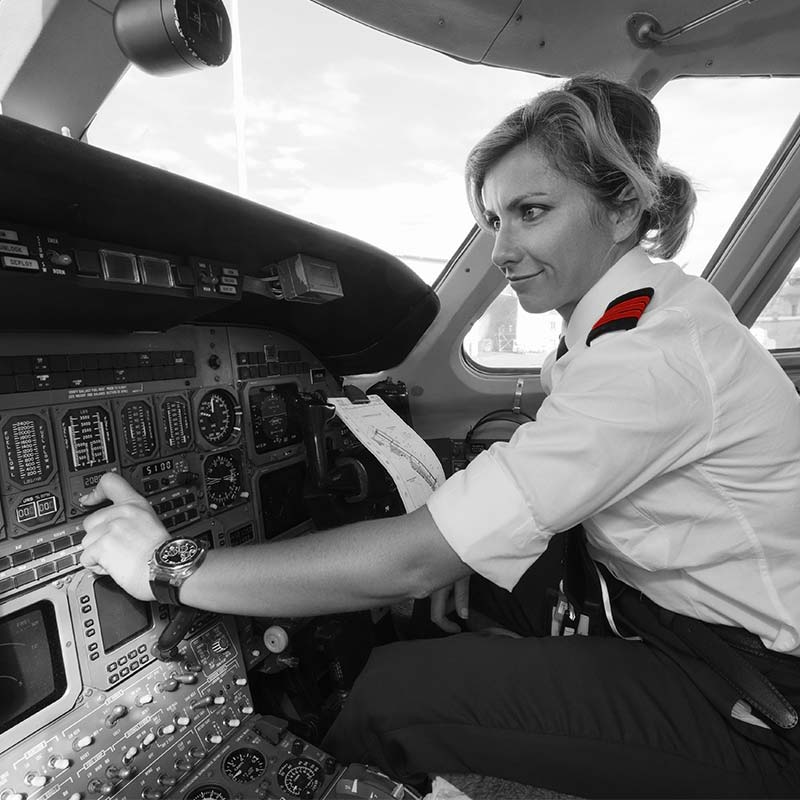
(355, 567)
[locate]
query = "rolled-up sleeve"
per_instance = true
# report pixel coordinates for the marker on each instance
(621, 413)
(486, 519)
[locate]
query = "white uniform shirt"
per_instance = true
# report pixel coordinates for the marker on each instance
(676, 444)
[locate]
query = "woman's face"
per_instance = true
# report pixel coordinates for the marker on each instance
(553, 240)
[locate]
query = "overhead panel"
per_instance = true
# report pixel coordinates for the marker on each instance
(461, 28)
(568, 37)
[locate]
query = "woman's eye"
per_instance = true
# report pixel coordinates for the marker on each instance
(531, 212)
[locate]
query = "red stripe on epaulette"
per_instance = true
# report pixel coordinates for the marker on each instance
(621, 314)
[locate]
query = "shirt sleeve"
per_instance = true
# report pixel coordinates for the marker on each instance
(635, 405)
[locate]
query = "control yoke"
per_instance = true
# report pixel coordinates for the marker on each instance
(346, 477)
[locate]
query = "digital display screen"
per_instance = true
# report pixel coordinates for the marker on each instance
(27, 449)
(274, 418)
(283, 504)
(148, 470)
(87, 437)
(121, 616)
(31, 667)
(119, 267)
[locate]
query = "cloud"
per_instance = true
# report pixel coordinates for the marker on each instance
(287, 164)
(395, 217)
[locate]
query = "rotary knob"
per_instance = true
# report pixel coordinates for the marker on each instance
(130, 754)
(82, 743)
(116, 713)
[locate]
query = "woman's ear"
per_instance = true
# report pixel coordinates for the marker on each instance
(625, 215)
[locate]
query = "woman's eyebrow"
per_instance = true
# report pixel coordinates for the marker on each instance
(518, 200)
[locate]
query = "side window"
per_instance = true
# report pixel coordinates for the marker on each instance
(507, 337)
(778, 325)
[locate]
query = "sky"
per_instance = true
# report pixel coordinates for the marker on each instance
(367, 134)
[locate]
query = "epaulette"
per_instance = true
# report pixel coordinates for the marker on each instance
(622, 313)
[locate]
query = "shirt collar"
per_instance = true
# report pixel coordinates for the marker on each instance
(625, 275)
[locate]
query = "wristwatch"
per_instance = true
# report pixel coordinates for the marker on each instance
(170, 565)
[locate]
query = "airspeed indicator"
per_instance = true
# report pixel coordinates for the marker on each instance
(218, 417)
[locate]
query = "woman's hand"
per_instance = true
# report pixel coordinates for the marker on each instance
(121, 537)
(444, 600)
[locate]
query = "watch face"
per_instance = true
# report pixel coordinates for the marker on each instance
(177, 553)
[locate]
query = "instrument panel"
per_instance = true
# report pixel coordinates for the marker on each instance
(196, 419)
(79, 665)
(105, 695)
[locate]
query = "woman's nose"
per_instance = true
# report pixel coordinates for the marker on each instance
(505, 251)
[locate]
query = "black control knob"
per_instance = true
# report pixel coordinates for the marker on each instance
(119, 773)
(59, 259)
(214, 361)
(196, 753)
(329, 765)
(184, 677)
(298, 745)
(182, 765)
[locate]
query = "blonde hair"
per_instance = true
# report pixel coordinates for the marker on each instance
(604, 135)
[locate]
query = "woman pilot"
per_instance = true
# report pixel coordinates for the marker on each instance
(668, 432)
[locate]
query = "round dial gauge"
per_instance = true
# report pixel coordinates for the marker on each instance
(223, 479)
(244, 765)
(210, 792)
(218, 416)
(300, 776)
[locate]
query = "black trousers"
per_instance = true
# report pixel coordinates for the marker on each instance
(591, 716)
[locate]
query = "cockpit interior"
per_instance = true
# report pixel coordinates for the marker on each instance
(189, 335)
